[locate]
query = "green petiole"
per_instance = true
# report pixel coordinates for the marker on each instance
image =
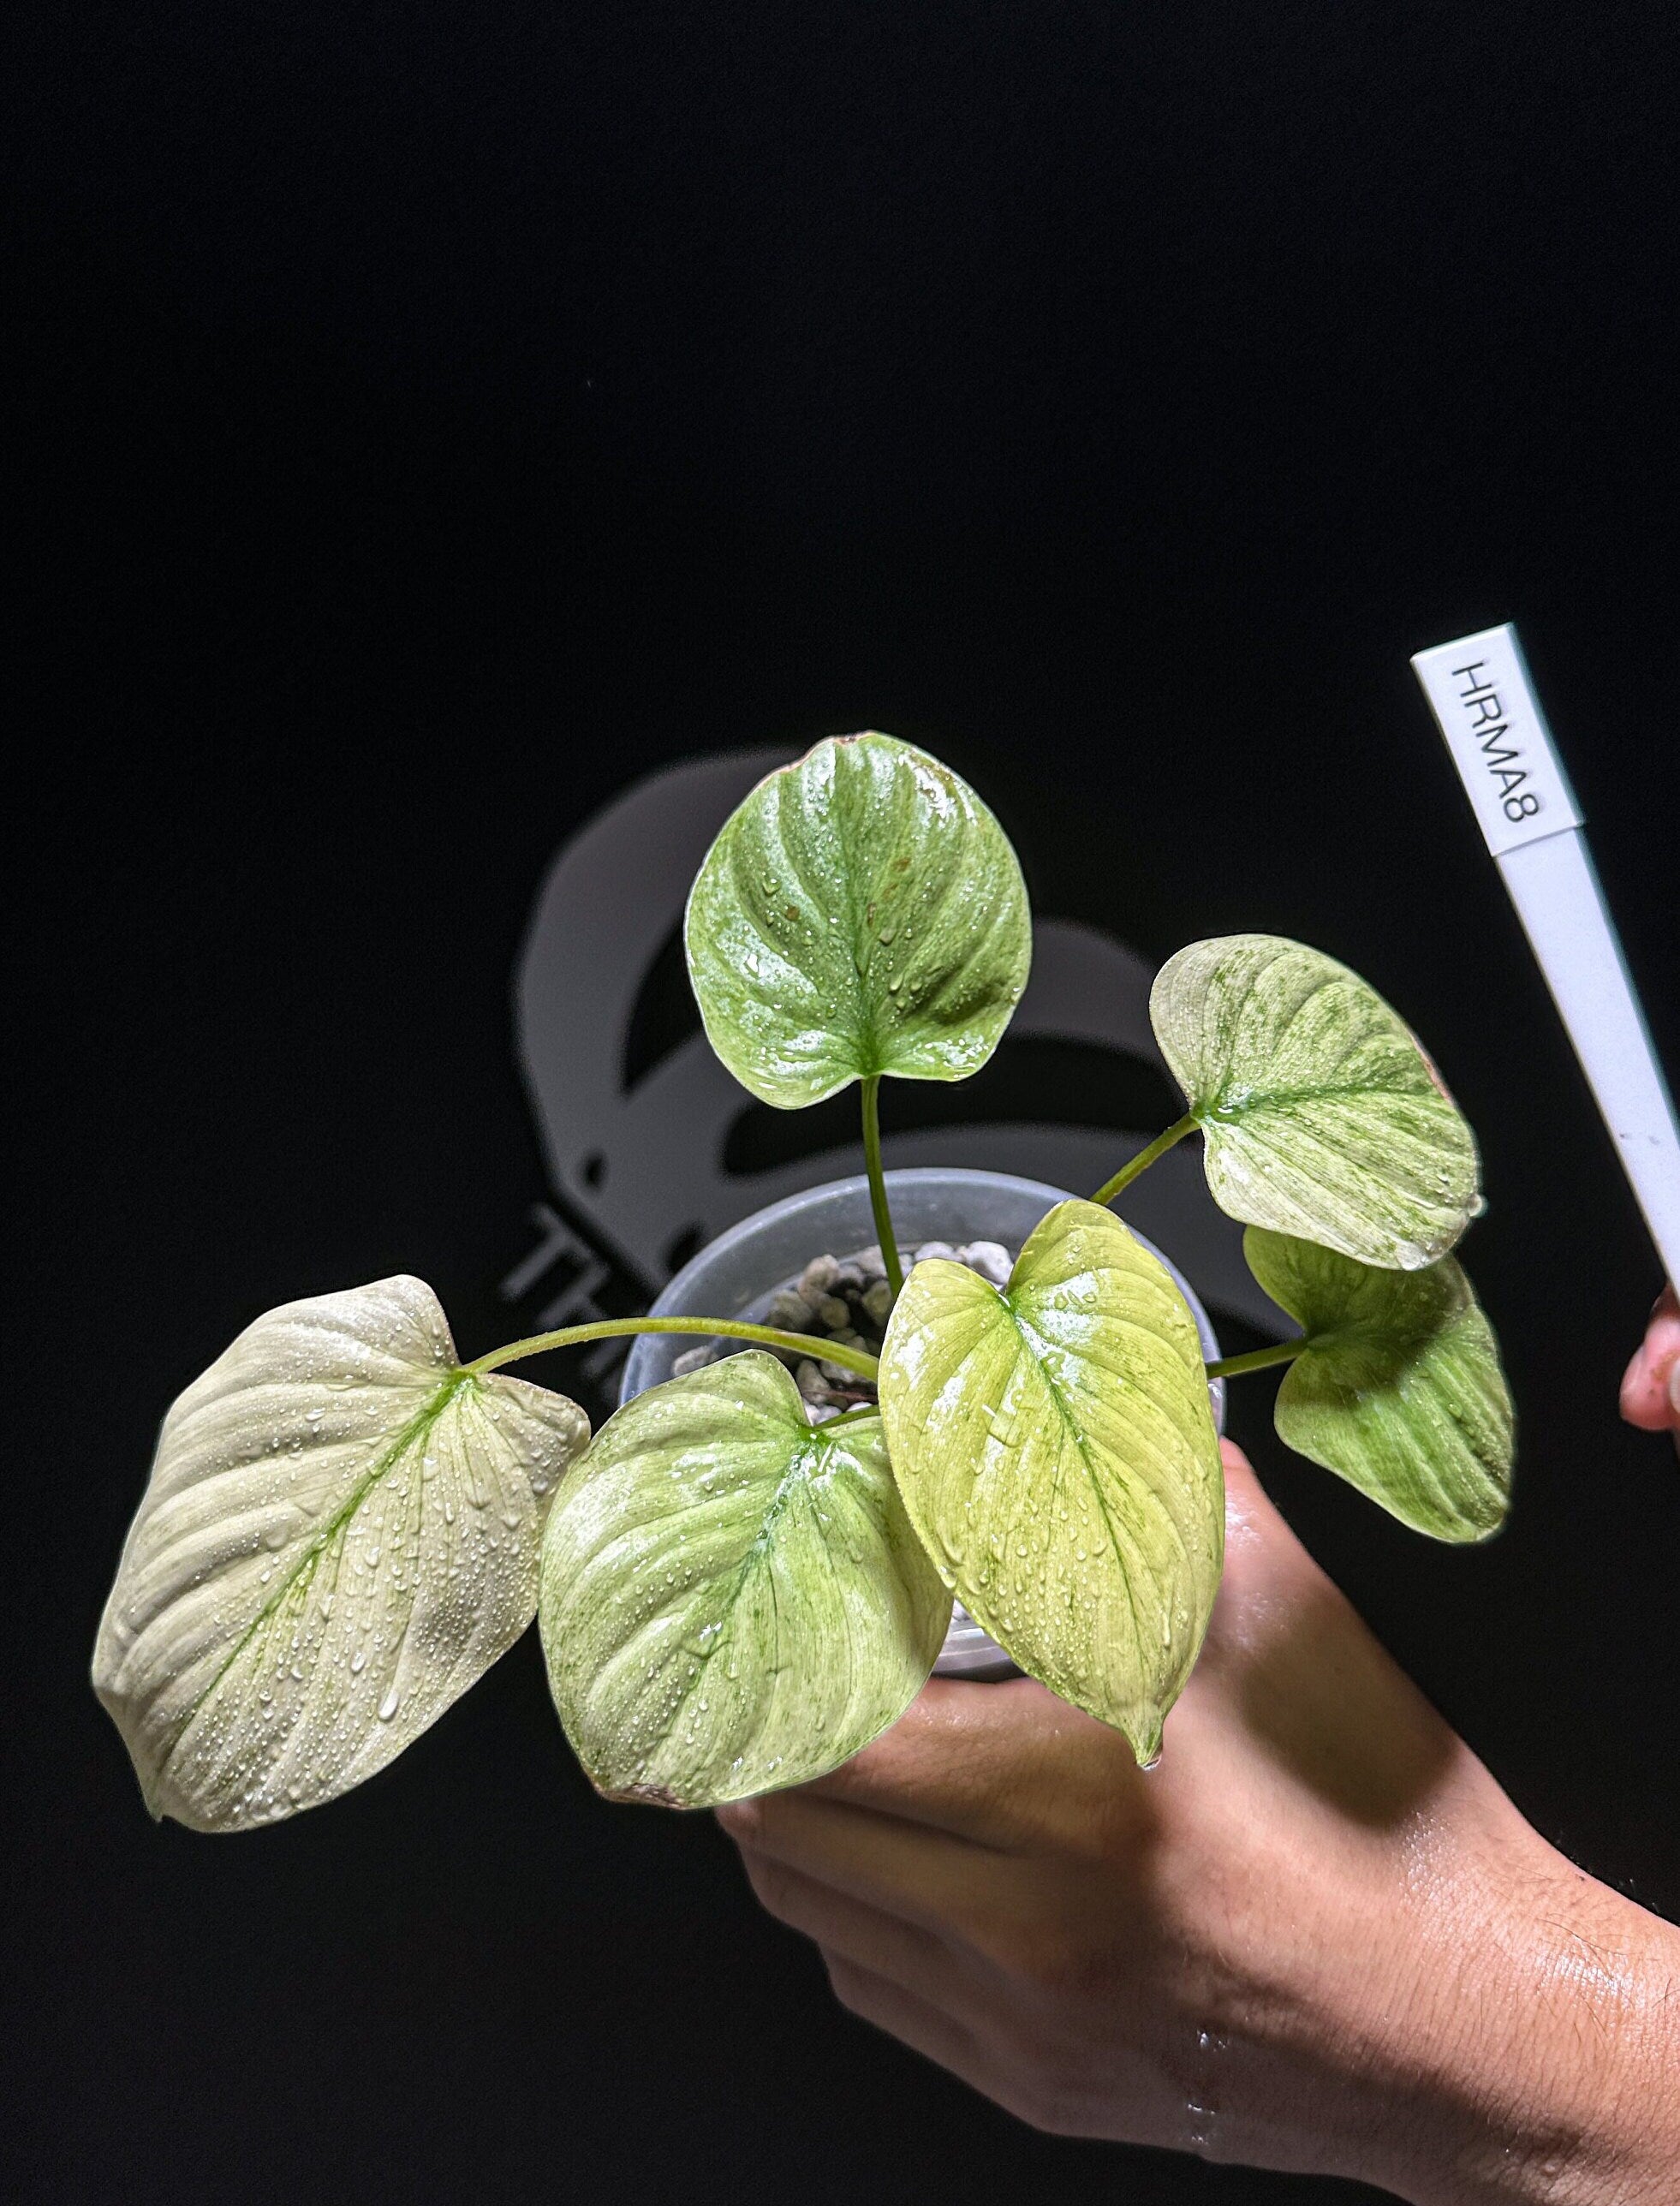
(729, 1328)
(878, 1196)
(1256, 1359)
(1142, 1162)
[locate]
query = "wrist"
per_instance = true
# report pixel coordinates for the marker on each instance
(1542, 2051)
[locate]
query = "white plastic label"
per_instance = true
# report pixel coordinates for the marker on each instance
(1479, 691)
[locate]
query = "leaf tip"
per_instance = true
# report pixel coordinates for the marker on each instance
(640, 1794)
(1474, 1531)
(1146, 1743)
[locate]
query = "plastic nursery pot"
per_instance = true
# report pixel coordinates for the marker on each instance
(743, 1269)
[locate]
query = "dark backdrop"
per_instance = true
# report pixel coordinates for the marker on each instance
(432, 417)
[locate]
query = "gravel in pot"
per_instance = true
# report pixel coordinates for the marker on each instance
(845, 1299)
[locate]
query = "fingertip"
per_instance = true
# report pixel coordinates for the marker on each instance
(1635, 1388)
(1650, 1398)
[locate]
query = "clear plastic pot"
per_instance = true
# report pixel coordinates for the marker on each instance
(740, 1271)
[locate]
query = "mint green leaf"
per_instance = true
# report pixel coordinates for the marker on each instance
(1322, 1117)
(1398, 1390)
(733, 1600)
(341, 1535)
(1056, 1450)
(861, 912)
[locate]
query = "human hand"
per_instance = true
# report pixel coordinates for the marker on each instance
(1317, 1938)
(1651, 1386)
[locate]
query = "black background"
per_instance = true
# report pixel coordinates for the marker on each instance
(440, 415)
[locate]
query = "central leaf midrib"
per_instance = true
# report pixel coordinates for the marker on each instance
(1023, 1330)
(304, 1569)
(1402, 1346)
(1275, 1098)
(874, 1052)
(794, 1478)
(792, 849)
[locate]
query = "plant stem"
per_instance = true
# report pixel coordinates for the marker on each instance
(805, 1343)
(1257, 1359)
(1142, 1162)
(850, 1416)
(878, 1194)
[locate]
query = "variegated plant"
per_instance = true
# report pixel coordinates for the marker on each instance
(346, 1524)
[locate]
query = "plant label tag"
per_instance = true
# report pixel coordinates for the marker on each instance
(1479, 691)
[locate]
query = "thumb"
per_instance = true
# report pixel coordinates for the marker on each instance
(1249, 1509)
(1267, 1572)
(1255, 1533)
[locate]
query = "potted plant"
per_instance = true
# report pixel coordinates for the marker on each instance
(762, 1268)
(750, 1570)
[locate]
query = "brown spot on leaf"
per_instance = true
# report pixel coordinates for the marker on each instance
(641, 1795)
(1433, 1069)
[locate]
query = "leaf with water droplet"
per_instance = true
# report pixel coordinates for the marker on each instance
(1321, 1115)
(235, 1548)
(1082, 1379)
(1399, 1389)
(733, 1599)
(806, 975)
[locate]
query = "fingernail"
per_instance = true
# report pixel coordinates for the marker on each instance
(1674, 1385)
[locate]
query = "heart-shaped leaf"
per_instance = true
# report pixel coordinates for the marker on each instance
(1399, 1389)
(1321, 1115)
(733, 1600)
(341, 1535)
(861, 912)
(1055, 1447)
